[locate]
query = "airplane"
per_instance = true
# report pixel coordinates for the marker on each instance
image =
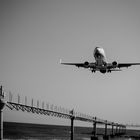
(100, 63)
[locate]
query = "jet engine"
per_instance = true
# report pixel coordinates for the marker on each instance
(114, 63)
(86, 64)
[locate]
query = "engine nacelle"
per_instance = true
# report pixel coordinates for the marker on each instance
(86, 64)
(114, 63)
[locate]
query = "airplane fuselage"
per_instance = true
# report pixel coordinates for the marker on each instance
(100, 58)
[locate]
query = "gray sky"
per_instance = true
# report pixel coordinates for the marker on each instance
(36, 34)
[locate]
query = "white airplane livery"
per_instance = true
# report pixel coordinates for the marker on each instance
(100, 63)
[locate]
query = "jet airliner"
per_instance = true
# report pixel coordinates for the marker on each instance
(100, 63)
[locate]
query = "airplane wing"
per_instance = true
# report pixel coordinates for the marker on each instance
(115, 70)
(120, 65)
(84, 65)
(76, 64)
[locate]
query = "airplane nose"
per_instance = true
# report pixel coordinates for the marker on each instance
(97, 52)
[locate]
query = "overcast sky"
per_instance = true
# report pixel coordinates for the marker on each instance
(36, 34)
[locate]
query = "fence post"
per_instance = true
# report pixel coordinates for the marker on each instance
(94, 137)
(2, 104)
(94, 127)
(25, 100)
(112, 129)
(116, 129)
(32, 102)
(106, 128)
(18, 99)
(105, 135)
(72, 124)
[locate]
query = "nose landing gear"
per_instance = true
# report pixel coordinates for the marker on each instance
(109, 71)
(92, 70)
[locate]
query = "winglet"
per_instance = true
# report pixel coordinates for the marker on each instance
(60, 61)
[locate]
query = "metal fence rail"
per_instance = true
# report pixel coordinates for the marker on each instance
(52, 110)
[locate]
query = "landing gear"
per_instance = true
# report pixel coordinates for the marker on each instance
(93, 71)
(109, 71)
